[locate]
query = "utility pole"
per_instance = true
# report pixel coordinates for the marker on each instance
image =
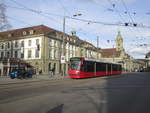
(97, 47)
(63, 47)
(4, 25)
(113, 53)
(63, 56)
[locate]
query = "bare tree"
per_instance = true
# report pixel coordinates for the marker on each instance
(4, 25)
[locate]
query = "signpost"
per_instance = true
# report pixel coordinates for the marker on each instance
(63, 59)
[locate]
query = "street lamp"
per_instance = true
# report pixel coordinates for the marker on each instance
(63, 42)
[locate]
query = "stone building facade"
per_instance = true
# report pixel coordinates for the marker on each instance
(42, 47)
(147, 57)
(119, 55)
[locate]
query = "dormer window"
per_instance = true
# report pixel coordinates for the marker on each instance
(31, 32)
(10, 35)
(24, 33)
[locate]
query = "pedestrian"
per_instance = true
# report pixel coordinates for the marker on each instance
(40, 72)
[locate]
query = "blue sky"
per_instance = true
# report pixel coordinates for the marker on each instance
(108, 11)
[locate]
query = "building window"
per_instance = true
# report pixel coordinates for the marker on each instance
(8, 54)
(10, 35)
(16, 54)
(37, 53)
(24, 33)
(31, 32)
(50, 53)
(2, 54)
(22, 55)
(54, 43)
(29, 53)
(29, 43)
(8, 45)
(2, 46)
(37, 41)
(22, 43)
(55, 53)
(16, 44)
(50, 42)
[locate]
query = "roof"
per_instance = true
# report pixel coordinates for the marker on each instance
(110, 52)
(88, 43)
(17, 33)
(40, 29)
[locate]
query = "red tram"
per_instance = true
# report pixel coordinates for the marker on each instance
(81, 67)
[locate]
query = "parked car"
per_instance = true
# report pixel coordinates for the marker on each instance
(141, 70)
(20, 73)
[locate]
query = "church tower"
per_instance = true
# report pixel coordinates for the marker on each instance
(119, 42)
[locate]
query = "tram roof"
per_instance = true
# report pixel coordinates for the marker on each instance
(95, 60)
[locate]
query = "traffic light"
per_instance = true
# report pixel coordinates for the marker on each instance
(134, 25)
(126, 24)
(130, 24)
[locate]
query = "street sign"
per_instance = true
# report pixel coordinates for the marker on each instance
(62, 59)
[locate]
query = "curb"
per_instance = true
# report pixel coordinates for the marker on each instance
(34, 79)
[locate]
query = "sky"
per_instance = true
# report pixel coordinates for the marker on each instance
(101, 14)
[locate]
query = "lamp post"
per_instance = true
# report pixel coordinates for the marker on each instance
(97, 47)
(63, 69)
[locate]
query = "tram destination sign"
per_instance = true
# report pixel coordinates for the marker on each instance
(76, 58)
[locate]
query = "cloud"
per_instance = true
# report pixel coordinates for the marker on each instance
(138, 52)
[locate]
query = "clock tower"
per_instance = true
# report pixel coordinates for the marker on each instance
(119, 42)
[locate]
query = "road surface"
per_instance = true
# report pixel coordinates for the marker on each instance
(126, 93)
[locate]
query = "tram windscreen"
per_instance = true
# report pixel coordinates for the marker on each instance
(75, 64)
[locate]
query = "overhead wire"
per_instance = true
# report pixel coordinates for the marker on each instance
(18, 20)
(23, 7)
(65, 9)
(132, 20)
(83, 20)
(118, 12)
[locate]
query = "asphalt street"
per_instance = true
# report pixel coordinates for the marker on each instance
(126, 93)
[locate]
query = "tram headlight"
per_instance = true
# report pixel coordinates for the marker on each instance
(77, 73)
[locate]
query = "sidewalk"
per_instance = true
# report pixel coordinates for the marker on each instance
(7, 80)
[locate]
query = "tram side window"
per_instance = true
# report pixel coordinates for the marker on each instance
(88, 66)
(119, 68)
(109, 67)
(114, 67)
(100, 66)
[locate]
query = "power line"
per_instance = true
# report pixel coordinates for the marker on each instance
(18, 20)
(83, 20)
(127, 11)
(23, 7)
(60, 2)
(125, 23)
(116, 10)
